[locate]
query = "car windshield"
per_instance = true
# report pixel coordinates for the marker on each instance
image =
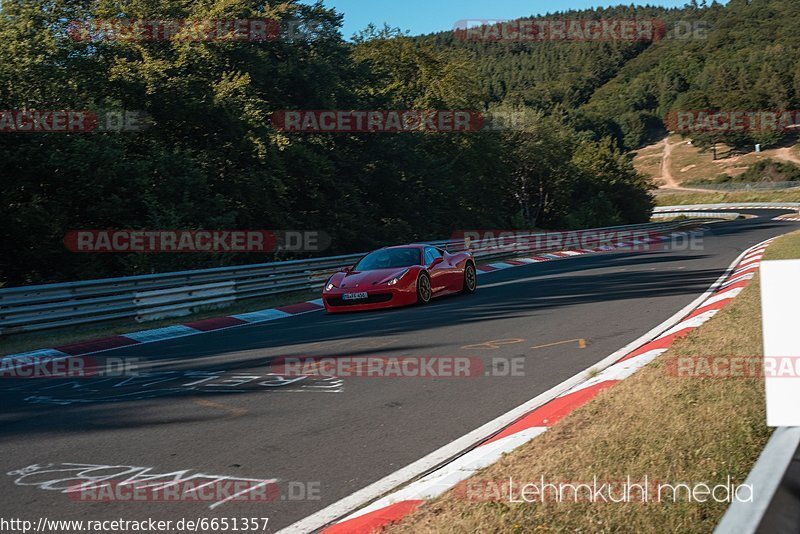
(390, 258)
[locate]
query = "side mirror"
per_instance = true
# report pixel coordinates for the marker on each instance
(346, 269)
(437, 261)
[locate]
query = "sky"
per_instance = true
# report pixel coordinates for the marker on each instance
(426, 16)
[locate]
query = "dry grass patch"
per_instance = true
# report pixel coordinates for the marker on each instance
(652, 424)
(690, 163)
(648, 161)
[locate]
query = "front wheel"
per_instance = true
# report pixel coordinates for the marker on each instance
(423, 289)
(470, 279)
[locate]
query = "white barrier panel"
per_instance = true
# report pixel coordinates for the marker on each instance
(181, 301)
(780, 306)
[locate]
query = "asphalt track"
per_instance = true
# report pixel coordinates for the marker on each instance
(337, 436)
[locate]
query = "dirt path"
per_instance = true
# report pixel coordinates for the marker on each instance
(666, 171)
(670, 183)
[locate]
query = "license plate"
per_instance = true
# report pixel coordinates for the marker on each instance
(354, 296)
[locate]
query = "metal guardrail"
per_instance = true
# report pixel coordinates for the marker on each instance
(148, 297)
(727, 206)
(699, 214)
(769, 510)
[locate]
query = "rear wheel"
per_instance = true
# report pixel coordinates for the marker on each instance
(470, 279)
(423, 289)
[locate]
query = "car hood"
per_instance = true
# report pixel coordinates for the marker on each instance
(366, 279)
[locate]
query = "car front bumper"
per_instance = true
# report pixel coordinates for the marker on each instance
(376, 299)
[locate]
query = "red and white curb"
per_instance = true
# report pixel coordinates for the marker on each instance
(93, 346)
(574, 393)
(791, 218)
(169, 332)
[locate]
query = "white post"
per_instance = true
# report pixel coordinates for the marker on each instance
(780, 306)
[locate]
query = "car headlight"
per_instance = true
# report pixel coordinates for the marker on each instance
(329, 287)
(397, 278)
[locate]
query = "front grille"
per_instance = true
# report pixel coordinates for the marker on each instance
(371, 299)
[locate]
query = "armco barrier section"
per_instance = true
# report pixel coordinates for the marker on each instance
(730, 206)
(700, 215)
(149, 297)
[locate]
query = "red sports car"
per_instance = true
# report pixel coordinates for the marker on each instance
(399, 276)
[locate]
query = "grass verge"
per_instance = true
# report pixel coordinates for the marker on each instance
(652, 424)
(16, 343)
(677, 199)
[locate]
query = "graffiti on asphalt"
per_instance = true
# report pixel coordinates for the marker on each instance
(76, 478)
(166, 383)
